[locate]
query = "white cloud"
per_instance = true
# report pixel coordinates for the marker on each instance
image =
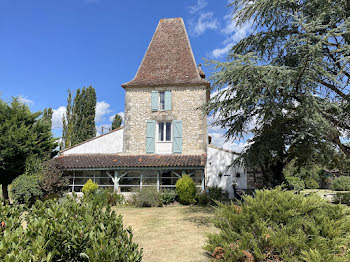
(25, 100)
(219, 140)
(102, 109)
(198, 6)
(57, 117)
(234, 34)
(205, 21)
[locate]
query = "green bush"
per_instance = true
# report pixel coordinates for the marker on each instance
(186, 190)
(69, 231)
(168, 197)
(278, 225)
(342, 198)
(341, 183)
(89, 187)
(26, 189)
(104, 197)
(311, 183)
(202, 199)
(295, 183)
(216, 193)
(146, 197)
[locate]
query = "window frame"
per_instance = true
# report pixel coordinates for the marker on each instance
(160, 100)
(164, 132)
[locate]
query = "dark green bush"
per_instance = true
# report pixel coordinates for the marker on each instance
(53, 181)
(202, 199)
(216, 193)
(311, 183)
(295, 183)
(168, 197)
(342, 198)
(69, 231)
(341, 183)
(26, 189)
(186, 190)
(278, 225)
(146, 197)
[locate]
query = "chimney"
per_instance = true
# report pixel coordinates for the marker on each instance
(200, 71)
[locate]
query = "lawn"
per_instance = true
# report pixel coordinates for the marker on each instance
(171, 233)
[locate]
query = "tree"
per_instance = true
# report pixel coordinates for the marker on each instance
(290, 77)
(23, 134)
(79, 121)
(117, 121)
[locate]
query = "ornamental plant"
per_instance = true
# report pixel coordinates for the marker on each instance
(278, 225)
(66, 231)
(186, 190)
(89, 188)
(341, 183)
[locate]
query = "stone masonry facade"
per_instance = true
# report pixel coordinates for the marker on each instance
(186, 103)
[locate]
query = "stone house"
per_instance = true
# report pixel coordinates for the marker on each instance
(165, 131)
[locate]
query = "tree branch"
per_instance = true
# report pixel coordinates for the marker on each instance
(344, 148)
(333, 88)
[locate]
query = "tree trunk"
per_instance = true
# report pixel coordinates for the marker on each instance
(5, 192)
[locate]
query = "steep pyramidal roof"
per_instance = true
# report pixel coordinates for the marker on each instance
(169, 59)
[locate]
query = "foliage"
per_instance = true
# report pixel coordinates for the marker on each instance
(278, 225)
(105, 197)
(341, 183)
(69, 231)
(79, 121)
(53, 181)
(22, 134)
(342, 198)
(147, 197)
(26, 189)
(117, 121)
(186, 190)
(202, 199)
(216, 193)
(168, 197)
(89, 188)
(287, 84)
(301, 177)
(295, 183)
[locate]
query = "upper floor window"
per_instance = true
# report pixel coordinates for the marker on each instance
(161, 100)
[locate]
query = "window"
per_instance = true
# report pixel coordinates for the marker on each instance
(164, 131)
(161, 100)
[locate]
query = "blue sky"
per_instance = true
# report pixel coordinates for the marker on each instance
(50, 46)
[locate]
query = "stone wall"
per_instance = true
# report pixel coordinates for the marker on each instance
(185, 106)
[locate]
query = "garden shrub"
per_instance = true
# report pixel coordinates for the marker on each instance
(202, 199)
(26, 189)
(341, 183)
(342, 198)
(53, 182)
(104, 197)
(186, 190)
(147, 197)
(295, 183)
(168, 197)
(89, 187)
(278, 225)
(69, 231)
(216, 193)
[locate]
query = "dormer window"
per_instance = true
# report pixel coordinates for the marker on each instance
(161, 100)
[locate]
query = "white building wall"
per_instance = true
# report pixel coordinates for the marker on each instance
(108, 143)
(219, 173)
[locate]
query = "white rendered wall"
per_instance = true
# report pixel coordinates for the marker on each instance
(109, 143)
(219, 173)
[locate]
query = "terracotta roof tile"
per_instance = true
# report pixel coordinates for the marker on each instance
(119, 161)
(169, 58)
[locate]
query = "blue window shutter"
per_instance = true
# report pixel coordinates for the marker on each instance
(167, 105)
(177, 133)
(155, 100)
(150, 136)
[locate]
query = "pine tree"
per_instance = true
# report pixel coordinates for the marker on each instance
(23, 134)
(117, 121)
(290, 78)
